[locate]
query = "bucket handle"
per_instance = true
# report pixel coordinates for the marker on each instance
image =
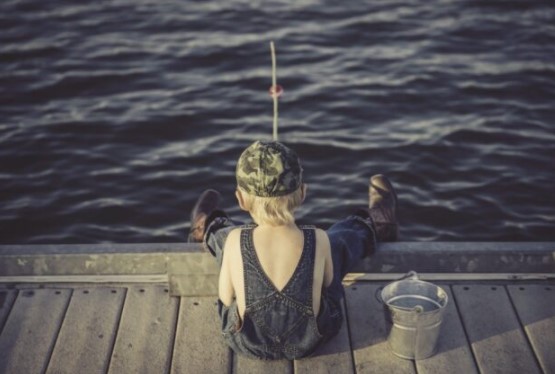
(410, 275)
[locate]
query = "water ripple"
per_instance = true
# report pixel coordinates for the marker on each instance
(115, 116)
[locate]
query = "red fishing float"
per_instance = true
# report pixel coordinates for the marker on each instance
(275, 91)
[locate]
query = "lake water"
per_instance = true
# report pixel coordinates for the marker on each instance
(115, 115)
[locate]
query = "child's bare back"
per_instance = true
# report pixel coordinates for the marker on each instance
(279, 250)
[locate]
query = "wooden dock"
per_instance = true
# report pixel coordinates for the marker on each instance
(489, 327)
(152, 309)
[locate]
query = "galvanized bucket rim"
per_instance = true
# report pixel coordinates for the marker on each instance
(412, 276)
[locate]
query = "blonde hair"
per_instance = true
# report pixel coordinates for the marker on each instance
(273, 211)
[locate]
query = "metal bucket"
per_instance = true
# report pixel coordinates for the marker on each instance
(414, 310)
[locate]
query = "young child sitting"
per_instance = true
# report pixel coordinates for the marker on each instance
(280, 284)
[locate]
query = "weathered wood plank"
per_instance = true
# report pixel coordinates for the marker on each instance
(245, 365)
(146, 332)
(31, 330)
(194, 284)
(493, 329)
(535, 305)
(199, 346)
(369, 330)
(333, 357)
(87, 335)
(453, 351)
(7, 298)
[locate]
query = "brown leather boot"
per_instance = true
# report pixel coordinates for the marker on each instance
(206, 204)
(383, 208)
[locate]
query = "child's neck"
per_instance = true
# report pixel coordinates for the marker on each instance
(289, 226)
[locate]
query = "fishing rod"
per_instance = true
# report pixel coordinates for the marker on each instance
(275, 90)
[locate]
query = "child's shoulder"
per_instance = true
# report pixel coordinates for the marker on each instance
(322, 237)
(236, 231)
(322, 240)
(233, 239)
(312, 227)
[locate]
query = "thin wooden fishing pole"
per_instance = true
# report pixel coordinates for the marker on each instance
(274, 90)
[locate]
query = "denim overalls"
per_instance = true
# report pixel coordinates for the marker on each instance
(281, 324)
(277, 324)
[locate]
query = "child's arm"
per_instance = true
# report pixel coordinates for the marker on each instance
(326, 251)
(225, 284)
(328, 271)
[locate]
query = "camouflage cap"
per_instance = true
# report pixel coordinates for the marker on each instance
(269, 169)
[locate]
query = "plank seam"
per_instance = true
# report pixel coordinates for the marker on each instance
(51, 350)
(523, 329)
(348, 327)
(10, 311)
(117, 330)
(461, 318)
(178, 307)
(231, 359)
(233, 362)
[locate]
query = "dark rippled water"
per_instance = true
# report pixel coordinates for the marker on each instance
(115, 115)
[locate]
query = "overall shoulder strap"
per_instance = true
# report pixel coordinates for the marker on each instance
(256, 283)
